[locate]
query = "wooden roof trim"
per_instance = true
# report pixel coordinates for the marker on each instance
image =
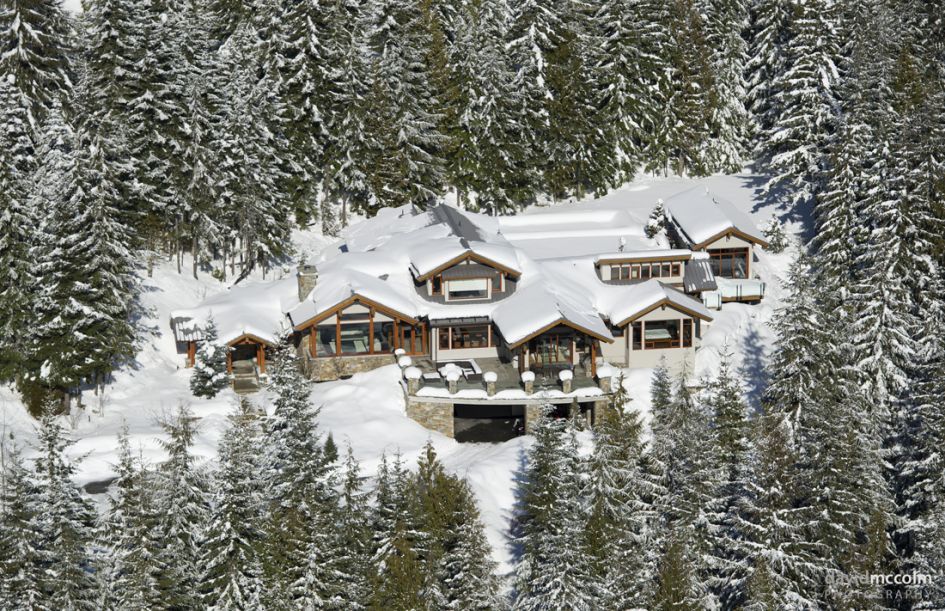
(254, 339)
(731, 231)
(469, 254)
(565, 322)
(664, 302)
(360, 299)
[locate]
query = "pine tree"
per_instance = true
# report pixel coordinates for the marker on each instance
(250, 174)
(725, 24)
(230, 553)
(487, 147)
(795, 145)
(402, 114)
(17, 167)
(730, 418)
(86, 262)
(683, 452)
(619, 530)
(21, 570)
(63, 526)
(397, 580)
(553, 571)
(768, 37)
(468, 570)
(127, 532)
(36, 40)
(353, 564)
(182, 509)
(210, 374)
(301, 552)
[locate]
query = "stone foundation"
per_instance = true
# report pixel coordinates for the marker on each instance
(332, 368)
(532, 414)
(434, 416)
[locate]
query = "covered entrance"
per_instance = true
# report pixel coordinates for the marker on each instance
(557, 349)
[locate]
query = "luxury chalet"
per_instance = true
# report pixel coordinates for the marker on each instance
(488, 318)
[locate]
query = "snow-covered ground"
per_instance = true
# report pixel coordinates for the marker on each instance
(367, 410)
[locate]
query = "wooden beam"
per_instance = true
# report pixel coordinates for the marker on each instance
(191, 353)
(229, 361)
(593, 359)
(261, 358)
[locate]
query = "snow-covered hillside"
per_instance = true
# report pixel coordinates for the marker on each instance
(367, 410)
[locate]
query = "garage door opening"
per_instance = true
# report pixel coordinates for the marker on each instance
(488, 423)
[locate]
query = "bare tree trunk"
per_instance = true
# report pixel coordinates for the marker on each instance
(193, 253)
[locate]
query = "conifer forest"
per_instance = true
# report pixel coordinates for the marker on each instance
(197, 137)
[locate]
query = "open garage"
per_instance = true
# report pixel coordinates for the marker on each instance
(485, 423)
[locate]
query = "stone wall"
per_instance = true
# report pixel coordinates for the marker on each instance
(434, 416)
(332, 368)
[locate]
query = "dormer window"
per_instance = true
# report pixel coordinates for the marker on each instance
(467, 289)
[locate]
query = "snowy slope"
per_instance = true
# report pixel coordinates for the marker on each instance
(367, 410)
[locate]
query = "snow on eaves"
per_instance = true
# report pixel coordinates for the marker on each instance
(538, 306)
(664, 253)
(255, 308)
(333, 289)
(639, 297)
(428, 256)
(702, 215)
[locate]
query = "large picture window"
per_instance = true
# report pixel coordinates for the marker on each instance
(359, 331)
(729, 262)
(459, 338)
(467, 289)
(662, 334)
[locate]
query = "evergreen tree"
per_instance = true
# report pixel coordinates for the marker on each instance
(210, 374)
(20, 552)
(397, 581)
(17, 167)
(553, 571)
(795, 144)
(622, 519)
(301, 551)
(353, 564)
(230, 554)
(683, 452)
(486, 148)
(250, 175)
(127, 532)
(730, 418)
(63, 523)
(769, 33)
(182, 509)
(36, 40)
(87, 265)
(402, 114)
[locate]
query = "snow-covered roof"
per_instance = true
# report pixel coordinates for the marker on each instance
(638, 298)
(645, 255)
(538, 307)
(255, 309)
(430, 256)
(334, 289)
(702, 216)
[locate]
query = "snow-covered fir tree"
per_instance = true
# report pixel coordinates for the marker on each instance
(300, 536)
(17, 167)
(64, 524)
(182, 506)
(684, 454)
(210, 374)
(127, 531)
(804, 100)
(553, 570)
(622, 520)
(37, 42)
(402, 114)
(88, 269)
(20, 552)
(231, 551)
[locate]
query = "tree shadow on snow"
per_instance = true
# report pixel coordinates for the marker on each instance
(753, 369)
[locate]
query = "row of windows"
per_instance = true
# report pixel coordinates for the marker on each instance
(645, 271)
(729, 262)
(356, 333)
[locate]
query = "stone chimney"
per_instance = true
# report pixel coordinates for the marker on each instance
(308, 278)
